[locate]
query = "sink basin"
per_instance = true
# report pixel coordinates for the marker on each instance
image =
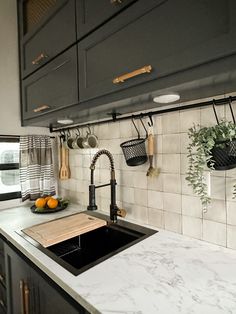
(87, 250)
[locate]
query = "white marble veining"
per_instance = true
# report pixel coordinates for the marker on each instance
(166, 273)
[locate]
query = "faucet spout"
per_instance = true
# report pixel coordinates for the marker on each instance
(114, 210)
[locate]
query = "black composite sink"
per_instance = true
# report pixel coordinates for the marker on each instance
(87, 250)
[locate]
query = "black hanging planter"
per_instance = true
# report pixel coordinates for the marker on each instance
(224, 155)
(224, 152)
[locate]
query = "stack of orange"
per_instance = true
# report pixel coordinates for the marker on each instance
(47, 201)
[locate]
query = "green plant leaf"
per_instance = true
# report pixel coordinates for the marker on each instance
(202, 140)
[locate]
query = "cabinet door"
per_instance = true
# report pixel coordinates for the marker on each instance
(169, 36)
(91, 14)
(3, 300)
(54, 33)
(18, 276)
(49, 300)
(2, 264)
(52, 87)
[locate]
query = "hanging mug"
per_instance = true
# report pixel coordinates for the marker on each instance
(90, 141)
(78, 141)
(70, 139)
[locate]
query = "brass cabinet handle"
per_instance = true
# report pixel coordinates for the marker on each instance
(41, 108)
(40, 58)
(22, 299)
(2, 304)
(116, 1)
(1, 278)
(26, 298)
(124, 77)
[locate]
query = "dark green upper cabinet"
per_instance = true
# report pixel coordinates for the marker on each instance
(169, 36)
(47, 28)
(91, 14)
(52, 87)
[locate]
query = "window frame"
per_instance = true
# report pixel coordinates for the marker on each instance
(9, 166)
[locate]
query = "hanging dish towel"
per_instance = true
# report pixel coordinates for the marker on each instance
(36, 167)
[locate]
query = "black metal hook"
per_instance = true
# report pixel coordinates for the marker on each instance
(230, 107)
(214, 109)
(150, 117)
(78, 130)
(144, 127)
(89, 130)
(135, 126)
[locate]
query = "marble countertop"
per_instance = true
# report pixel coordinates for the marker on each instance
(166, 273)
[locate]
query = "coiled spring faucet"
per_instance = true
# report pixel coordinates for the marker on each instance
(114, 210)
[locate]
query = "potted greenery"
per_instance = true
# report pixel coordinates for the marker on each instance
(214, 147)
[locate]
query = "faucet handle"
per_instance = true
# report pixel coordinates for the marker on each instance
(121, 212)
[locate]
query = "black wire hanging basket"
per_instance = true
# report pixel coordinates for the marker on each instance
(135, 150)
(224, 152)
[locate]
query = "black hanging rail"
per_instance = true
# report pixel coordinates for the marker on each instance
(220, 101)
(13, 138)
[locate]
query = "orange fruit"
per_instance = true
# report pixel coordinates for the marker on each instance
(52, 203)
(40, 202)
(47, 198)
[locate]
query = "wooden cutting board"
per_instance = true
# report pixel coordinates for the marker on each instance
(61, 229)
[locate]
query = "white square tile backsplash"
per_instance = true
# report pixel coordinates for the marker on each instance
(171, 144)
(214, 232)
(165, 201)
(192, 227)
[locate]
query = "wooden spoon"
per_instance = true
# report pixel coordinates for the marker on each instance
(67, 163)
(64, 173)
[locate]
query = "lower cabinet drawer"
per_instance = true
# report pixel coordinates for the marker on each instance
(53, 87)
(3, 300)
(2, 270)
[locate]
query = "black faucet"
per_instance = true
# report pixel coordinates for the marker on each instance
(114, 210)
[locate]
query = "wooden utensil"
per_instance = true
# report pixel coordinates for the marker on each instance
(67, 163)
(64, 173)
(152, 172)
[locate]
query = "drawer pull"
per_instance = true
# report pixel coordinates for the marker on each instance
(41, 108)
(2, 304)
(116, 1)
(39, 58)
(22, 299)
(26, 298)
(1, 278)
(124, 77)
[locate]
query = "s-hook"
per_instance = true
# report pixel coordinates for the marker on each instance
(140, 118)
(214, 108)
(231, 110)
(150, 124)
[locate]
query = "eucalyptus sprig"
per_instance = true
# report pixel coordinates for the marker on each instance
(202, 141)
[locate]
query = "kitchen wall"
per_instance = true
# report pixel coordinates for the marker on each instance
(165, 201)
(10, 120)
(9, 74)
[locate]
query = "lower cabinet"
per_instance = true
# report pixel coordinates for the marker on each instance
(3, 291)
(30, 292)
